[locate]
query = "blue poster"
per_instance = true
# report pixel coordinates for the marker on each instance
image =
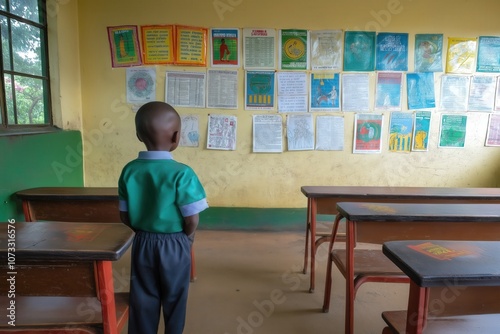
(422, 130)
(400, 131)
(324, 92)
(428, 52)
(359, 51)
(392, 52)
(420, 90)
(488, 54)
(259, 90)
(388, 93)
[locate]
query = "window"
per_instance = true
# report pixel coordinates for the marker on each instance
(24, 90)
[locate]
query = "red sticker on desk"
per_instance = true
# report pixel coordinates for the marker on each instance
(437, 251)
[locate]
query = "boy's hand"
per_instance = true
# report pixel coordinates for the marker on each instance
(191, 239)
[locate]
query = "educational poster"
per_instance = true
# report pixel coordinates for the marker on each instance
(221, 132)
(452, 131)
(392, 52)
(482, 93)
(158, 44)
(300, 132)
(225, 47)
(124, 46)
(454, 93)
(185, 89)
(488, 59)
(355, 92)
(400, 132)
(190, 46)
(222, 89)
(260, 90)
(324, 92)
(190, 132)
(461, 55)
(141, 85)
(421, 131)
(292, 91)
(326, 49)
(267, 134)
(428, 52)
(293, 50)
(367, 133)
(259, 49)
(388, 91)
(330, 133)
(493, 134)
(420, 90)
(497, 95)
(359, 51)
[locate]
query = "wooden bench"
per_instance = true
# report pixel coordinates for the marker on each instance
(462, 266)
(60, 277)
(75, 204)
(322, 200)
(376, 223)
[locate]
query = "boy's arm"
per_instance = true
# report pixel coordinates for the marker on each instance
(190, 225)
(125, 219)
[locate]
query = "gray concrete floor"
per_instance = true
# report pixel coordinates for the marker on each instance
(252, 283)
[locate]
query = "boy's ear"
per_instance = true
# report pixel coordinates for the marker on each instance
(176, 137)
(138, 137)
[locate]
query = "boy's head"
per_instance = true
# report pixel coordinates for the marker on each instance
(158, 126)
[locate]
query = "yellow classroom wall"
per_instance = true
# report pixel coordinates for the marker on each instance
(241, 178)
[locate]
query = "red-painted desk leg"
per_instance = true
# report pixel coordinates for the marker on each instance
(417, 309)
(106, 293)
(308, 226)
(313, 244)
(349, 304)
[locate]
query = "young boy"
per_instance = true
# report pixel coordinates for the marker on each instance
(160, 199)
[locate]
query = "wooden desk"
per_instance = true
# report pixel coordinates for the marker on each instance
(437, 263)
(61, 272)
(376, 223)
(323, 200)
(75, 204)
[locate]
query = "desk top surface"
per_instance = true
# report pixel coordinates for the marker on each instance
(453, 263)
(65, 241)
(398, 192)
(69, 193)
(419, 212)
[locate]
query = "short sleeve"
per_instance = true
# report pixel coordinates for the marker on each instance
(122, 195)
(191, 197)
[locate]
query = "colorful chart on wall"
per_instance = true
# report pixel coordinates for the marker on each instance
(293, 51)
(324, 92)
(461, 55)
(260, 90)
(420, 90)
(141, 85)
(158, 44)
(400, 132)
(124, 46)
(421, 131)
(428, 53)
(359, 51)
(190, 46)
(488, 54)
(452, 131)
(367, 133)
(225, 47)
(392, 52)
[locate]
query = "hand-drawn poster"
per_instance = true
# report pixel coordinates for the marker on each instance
(326, 49)
(454, 93)
(124, 45)
(368, 133)
(300, 132)
(493, 134)
(190, 133)
(421, 131)
(488, 54)
(221, 132)
(392, 52)
(190, 46)
(185, 89)
(292, 91)
(259, 49)
(267, 134)
(141, 85)
(329, 133)
(222, 89)
(158, 44)
(461, 55)
(482, 93)
(497, 95)
(452, 131)
(355, 92)
(359, 51)
(293, 50)
(420, 90)
(428, 52)
(225, 47)
(260, 90)
(388, 91)
(400, 132)
(324, 92)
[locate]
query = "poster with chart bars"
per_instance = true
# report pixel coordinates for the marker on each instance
(260, 90)
(221, 134)
(185, 89)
